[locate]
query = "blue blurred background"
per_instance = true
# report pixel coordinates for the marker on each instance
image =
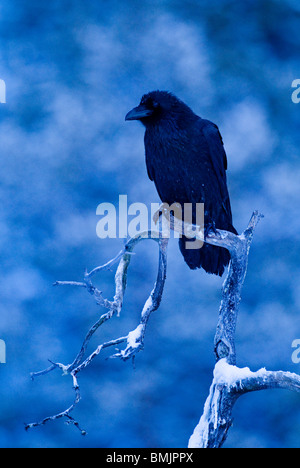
(73, 68)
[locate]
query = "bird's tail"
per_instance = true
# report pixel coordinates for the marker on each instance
(212, 259)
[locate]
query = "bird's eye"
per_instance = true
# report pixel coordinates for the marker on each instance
(151, 104)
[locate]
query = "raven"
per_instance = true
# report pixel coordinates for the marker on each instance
(185, 158)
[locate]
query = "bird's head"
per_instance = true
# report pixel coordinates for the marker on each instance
(156, 107)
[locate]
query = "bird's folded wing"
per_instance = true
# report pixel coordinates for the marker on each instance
(218, 157)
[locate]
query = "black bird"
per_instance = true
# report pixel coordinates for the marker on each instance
(185, 158)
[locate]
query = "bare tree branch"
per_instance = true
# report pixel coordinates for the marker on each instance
(238, 247)
(134, 340)
(229, 382)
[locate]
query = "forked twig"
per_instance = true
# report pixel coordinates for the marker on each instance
(229, 382)
(135, 338)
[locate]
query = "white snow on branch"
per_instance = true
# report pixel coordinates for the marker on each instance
(224, 375)
(148, 305)
(134, 337)
(230, 376)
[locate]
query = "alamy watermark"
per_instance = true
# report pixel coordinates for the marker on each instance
(296, 93)
(296, 353)
(126, 220)
(2, 352)
(2, 92)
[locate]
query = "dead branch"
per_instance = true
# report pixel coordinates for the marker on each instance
(134, 341)
(229, 382)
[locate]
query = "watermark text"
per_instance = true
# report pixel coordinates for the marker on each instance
(125, 220)
(2, 352)
(296, 93)
(296, 353)
(2, 92)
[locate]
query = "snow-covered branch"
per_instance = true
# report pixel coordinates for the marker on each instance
(229, 382)
(133, 341)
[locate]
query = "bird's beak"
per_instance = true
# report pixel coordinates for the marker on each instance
(138, 113)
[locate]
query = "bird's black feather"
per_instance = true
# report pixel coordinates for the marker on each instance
(186, 159)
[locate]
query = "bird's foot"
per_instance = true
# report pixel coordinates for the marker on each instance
(161, 210)
(210, 228)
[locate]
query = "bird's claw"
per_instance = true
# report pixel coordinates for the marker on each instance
(209, 228)
(158, 213)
